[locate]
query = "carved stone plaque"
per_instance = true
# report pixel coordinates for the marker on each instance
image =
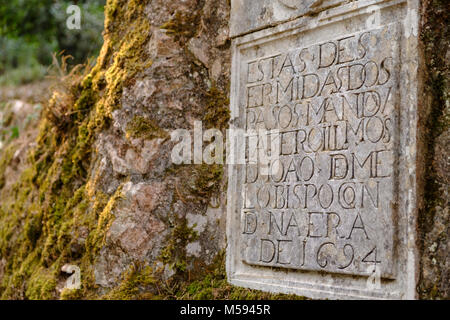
(318, 195)
(327, 201)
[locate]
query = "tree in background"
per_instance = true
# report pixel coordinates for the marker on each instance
(32, 30)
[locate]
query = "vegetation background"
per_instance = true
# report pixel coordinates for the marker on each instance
(32, 30)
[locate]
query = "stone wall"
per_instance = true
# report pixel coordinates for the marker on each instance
(434, 160)
(100, 191)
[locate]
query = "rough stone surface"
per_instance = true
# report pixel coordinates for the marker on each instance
(434, 161)
(108, 197)
(336, 200)
(153, 202)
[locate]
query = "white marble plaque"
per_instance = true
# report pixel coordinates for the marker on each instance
(321, 196)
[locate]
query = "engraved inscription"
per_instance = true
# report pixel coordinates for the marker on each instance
(324, 198)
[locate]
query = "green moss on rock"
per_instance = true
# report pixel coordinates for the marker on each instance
(136, 284)
(181, 25)
(144, 128)
(44, 213)
(5, 159)
(213, 284)
(218, 111)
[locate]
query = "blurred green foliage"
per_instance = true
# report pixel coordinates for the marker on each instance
(31, 30)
